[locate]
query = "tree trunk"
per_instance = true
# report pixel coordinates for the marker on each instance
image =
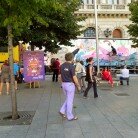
(12, 79)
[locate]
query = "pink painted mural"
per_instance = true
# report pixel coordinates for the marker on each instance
(125, 53)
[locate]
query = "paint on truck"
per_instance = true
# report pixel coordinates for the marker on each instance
(125, 54)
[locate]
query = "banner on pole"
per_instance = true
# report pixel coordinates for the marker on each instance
(33, 62)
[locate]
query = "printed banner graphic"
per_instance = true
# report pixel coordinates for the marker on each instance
(125, 54)
(33, 66)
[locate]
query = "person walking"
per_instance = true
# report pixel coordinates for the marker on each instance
(16, 70)
(83, 75)
(80, 71)
(69, 80)
(5, 76)
(90, 79)
(56, 66)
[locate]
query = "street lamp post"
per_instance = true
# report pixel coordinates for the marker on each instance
(97, 42)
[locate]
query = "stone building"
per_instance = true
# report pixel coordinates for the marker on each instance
(113, 18)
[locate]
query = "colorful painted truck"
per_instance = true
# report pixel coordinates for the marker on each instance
(4, 55)
(17, 54)
(126, 55)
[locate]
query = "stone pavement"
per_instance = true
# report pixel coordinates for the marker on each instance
(109, 116)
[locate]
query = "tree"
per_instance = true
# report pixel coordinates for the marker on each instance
(43, 22)
(133, 28)
(15, 15)
(3, 37)
(62, 26)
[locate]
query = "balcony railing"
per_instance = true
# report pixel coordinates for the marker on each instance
(90, 6)
(103, 7)
(120, 7)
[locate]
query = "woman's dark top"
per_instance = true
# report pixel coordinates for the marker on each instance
(88, 77)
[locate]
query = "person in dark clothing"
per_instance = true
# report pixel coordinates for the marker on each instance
(21, 75)
(69, 80)
(56, 66)
(90, 79)
(75, 51)
(113, 52)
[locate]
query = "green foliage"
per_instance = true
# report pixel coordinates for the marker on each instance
(18, 14)
(133, 28)
(43, 22)
(3, 37)
(62, 25)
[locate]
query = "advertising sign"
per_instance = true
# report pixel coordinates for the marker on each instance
(33, 66)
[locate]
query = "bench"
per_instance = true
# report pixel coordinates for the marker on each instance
(135, 70)
(100, 81)
(124, 79)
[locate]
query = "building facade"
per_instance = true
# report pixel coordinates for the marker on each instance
(113, 18)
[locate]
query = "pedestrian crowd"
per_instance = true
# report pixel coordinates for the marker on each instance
(5, 72)
(77, 76)
(72, 75)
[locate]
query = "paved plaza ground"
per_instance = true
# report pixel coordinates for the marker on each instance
(109, 116)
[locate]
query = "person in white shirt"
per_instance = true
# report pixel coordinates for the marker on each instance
(124, 75)
(80, 72)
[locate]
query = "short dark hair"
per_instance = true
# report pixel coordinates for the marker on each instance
(89, 59)
(6, 62)
(69, 57)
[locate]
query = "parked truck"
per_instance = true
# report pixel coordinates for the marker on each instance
(126, 55)
(4, 55)
(17, 53)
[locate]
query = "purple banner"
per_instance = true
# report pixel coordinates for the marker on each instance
(33, 66)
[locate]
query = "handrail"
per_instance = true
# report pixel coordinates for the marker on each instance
(104, 6)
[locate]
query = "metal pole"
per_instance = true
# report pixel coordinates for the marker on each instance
(97, 43)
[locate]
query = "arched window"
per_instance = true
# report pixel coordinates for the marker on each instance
(117, 33)
(89, 32)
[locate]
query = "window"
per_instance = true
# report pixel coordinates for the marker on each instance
(122, 2)
(114, 1)
(89, 32)
(117, 33)
(109, 1)
(89, 1)
(99, 1)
